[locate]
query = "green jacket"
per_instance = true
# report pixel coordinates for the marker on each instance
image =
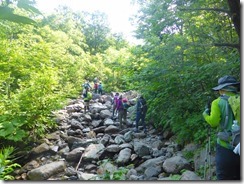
(217, 116)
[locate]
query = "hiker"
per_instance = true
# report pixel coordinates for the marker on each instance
(120, 109)
(95, 80)
(227, 162)
(86, 85)
(125, 109)
(87, 97)
(95, 87)
(100, 88)
(141, 110)
(114, 103)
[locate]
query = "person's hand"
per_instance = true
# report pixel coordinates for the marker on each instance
(206, 112)
(237, 149)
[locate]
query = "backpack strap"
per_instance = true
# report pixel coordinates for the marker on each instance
(223, 126)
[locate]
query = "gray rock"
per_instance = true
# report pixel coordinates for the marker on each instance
(75, 154)
(175, 164)
(189, 175)
(124, 156)
(93, 152)
(46, 171)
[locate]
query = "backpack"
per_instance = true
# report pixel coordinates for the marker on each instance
(233, 104)
(125, 106)
(86, 85)
(119, 105)
(99, 86)
(89, 96)
(116, 99)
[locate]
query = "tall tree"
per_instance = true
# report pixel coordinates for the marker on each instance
(96, 30)
(187, 43)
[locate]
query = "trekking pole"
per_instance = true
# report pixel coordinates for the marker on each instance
(209, 142)
(206, 163)
(208, 157)
(209, 152)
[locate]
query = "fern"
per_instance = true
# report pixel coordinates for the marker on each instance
(6, 163)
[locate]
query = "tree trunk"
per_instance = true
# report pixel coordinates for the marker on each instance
(235, 7)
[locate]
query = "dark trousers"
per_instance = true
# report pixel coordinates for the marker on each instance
(100, 91)
(227, 164)
(140, 116)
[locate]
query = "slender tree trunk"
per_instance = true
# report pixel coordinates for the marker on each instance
(235, 7)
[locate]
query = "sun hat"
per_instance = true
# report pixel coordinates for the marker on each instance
(124, 100)
(226, 81)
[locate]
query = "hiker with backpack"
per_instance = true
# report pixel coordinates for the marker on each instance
(95, 88)
(141, 110)
(120, 109)
(100, 88)
(222, 115)
(114, 103)
(125, 109)
(87, 97)
(86, 85)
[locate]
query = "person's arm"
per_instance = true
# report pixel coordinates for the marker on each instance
(213, 119)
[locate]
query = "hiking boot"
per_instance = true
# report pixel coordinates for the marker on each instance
(136, 131)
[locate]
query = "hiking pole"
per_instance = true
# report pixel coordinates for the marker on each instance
(208, 156)
(206, 161)
(209, 151)
(209, 140)
(208, 146)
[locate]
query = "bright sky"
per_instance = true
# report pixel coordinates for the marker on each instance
(118, 12)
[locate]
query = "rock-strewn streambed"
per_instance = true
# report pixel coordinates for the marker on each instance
(90, 146)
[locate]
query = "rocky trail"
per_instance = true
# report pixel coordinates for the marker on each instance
(90, 146)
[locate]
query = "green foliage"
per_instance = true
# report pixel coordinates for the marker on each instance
(116, 174)
(11, 129)
(6, 163)
(189, 155)
(8, 11)
(42, 67)
(174, 177)
(181, 60)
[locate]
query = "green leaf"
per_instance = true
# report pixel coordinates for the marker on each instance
(7, 129)
(25, 4)
(6, 13)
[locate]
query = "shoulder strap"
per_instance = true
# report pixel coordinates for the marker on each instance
(226, 112)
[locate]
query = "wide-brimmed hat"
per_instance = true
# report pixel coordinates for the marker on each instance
(226, 81)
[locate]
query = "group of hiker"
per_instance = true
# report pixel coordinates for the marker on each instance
(120, 107)
(220, 115)
(97, 86)
(86, 93)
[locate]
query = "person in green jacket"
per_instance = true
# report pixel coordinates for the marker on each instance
(87, 97)
(227, 162)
